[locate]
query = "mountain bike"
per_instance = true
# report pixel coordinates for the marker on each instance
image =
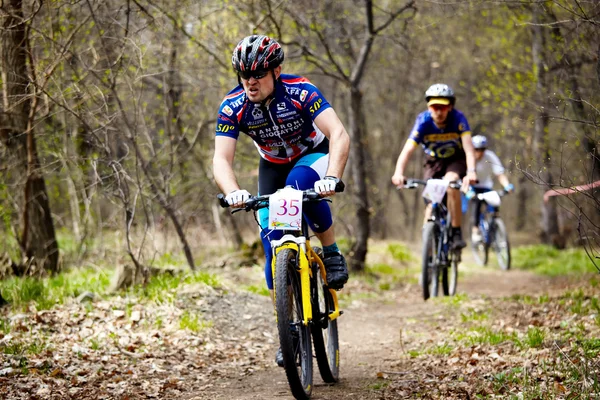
(305, 306)
(493, 231)
(439, 259)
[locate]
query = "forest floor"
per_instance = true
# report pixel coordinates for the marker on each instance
(509, 334)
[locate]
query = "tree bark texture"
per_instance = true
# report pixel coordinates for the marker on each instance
(358, 252)
(541, 147)
(38, 240)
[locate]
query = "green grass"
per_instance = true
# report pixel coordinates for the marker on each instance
(591, 347)
(162, 288)
(261, 290)
(485, 335)
(453, 301)
(535, 337)
(4, 325)
(47, 292)
(474, 315)
(193, 322)
(549, 261)
(441, 350)
(400, 252)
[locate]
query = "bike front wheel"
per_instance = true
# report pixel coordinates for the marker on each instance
(294, 336)
(450, 276)
(500, 244)
(325, 331)
(429, 266)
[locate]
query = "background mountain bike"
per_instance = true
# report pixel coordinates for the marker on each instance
(304, 304)
(439, 261)
(492, 230)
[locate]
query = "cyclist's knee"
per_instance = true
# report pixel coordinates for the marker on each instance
(451, 176)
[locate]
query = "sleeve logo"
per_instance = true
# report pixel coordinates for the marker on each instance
(303, 95)
(227, 110)
(461, 127)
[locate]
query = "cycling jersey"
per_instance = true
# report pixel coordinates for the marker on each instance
(440, 142)
(281, 126)
(487, 167)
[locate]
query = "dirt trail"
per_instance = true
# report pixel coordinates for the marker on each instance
(370, 338)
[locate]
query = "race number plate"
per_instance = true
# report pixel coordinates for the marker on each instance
(285, 209)
(435, 190)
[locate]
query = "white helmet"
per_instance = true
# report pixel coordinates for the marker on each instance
(480, 142)
(440, 93)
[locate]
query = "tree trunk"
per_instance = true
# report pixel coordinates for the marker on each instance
(38, 240)
(541, 147)
(358, 252)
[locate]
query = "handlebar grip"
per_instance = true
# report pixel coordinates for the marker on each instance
(222, 202)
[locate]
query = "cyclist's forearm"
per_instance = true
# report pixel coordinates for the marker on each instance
(224, 176)
(503, 179)
(339, 143)
(403, 158)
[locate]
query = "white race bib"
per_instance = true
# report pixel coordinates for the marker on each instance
(435, 190)
(285, 209)
(492, 198)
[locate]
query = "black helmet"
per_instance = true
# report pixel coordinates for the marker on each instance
(256, 53)
(440, 93)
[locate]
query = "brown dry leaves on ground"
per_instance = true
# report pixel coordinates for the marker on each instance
(122, 349)
(208, 339)
(518, 347)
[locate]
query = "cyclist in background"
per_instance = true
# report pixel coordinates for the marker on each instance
(300, 140)
(444, 134)
(487, 166)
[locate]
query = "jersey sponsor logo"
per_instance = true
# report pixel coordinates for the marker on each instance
(441, 137)
(316, 105)
(227, 110)
(237, 102)
(303, 95)
(281, 106)
(225, 128)
(292, 90)
(257, 113)
(224, 118)
(461, 127)
(286, 114)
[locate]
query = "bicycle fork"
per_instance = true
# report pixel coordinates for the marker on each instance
(306, 257)
(297, 244)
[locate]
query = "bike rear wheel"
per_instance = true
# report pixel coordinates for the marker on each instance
(429, 267)
(500, 244)
(480, 249)
(294, 336)
(325, 331)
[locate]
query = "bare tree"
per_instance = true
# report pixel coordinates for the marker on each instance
(38, 239)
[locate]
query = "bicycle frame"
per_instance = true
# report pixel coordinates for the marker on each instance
(306, 256)
(439, 216)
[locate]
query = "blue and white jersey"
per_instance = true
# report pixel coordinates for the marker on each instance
(440, 142)
(281, 126)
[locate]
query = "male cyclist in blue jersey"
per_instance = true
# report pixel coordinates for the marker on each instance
(488, 165)
(300, 139)
(444, 134)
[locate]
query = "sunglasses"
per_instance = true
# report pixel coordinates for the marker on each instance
(253, 74)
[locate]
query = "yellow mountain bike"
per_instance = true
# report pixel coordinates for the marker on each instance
(304, 304)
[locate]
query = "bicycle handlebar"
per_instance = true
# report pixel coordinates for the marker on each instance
(414, 183)
(500, 192)
(255, 203)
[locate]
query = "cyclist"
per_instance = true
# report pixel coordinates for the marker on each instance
(444, 134)
(487, 166)
(299, 137)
